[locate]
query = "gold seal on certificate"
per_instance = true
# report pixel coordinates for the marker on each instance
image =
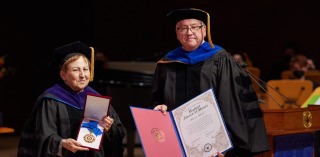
(89, 138)
(158, 134)
(207, 147)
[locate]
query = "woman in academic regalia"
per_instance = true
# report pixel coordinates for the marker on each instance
(54, 123)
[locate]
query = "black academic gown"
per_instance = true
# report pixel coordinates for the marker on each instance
(176, 82)
(53, 120)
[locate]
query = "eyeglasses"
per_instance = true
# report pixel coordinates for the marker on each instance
(192, 29)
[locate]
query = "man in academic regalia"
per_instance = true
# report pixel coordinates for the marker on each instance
(199, 65)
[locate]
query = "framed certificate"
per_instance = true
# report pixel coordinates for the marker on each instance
(90, 133)
(195, 128)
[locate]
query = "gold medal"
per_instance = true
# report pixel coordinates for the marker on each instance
(89, 138)
(92, 126)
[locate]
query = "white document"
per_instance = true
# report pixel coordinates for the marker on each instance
(96, 107)
(201, 127)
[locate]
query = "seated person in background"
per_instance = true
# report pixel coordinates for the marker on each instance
(239, 58)
(283, 63)
(299, 65)
(299, 62)
(310, 64)
(247, 59)
(243, 59)
(53, 125)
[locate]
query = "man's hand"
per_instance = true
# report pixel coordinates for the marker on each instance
(219, 155)
(163, 108)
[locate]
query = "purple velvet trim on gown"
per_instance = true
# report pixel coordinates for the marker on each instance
(65, 94)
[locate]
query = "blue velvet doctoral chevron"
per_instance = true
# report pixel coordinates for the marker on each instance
(200, 54)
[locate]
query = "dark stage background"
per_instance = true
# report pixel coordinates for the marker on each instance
(138, 31)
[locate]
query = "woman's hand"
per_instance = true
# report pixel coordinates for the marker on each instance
(73, 145)
(107, 123)
(163, 108)
(219, 155)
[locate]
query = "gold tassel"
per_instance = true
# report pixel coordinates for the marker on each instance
(208, 27)
(209, 31)
(92, 64)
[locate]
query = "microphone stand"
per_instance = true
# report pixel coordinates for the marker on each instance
(256, 80)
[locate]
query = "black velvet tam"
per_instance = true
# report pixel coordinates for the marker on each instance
(189, 13)
(63, 53)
